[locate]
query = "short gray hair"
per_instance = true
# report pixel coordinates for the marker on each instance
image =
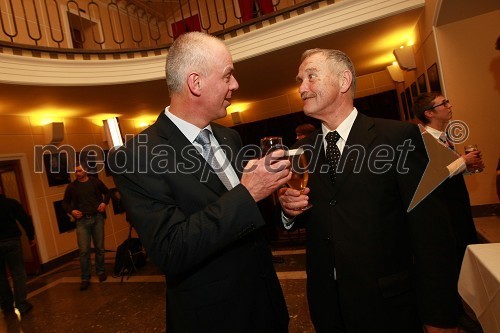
(188, 53)
(337, 60)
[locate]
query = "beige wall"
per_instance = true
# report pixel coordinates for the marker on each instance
(18, 135)
(469, 66)
(471, 74)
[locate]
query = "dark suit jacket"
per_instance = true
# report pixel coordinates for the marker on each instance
(395, 270)
(453, 192)
(207, 240)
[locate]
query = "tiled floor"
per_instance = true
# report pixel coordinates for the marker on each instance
(137, 304)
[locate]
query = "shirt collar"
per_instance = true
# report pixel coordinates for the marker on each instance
(437, 134)
(189, 130)
(345, 126)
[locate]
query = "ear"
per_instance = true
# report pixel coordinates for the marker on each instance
(194, 83)
(345, 81)
(429, 114)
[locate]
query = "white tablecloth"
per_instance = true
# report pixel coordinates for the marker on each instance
(479, 284)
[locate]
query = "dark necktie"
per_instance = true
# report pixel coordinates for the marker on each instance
(203, 139)
(332, 153)
(444, 139)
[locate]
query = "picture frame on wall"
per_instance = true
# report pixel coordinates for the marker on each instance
(422, 85)
(56, 168)
(105, 162)
(405, 106)
(409, 102)
(414, 92)
(87, 160)
(433, 75)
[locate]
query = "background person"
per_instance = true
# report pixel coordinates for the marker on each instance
(372, 266)
(304, 130)
(11, 255)
(86, 199)
(435, 111)
(200, 222)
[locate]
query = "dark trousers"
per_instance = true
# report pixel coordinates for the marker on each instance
(11, 255)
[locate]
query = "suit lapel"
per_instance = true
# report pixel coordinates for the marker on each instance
(187, 153)
(360, 138)
(318, 161)
(229, 146)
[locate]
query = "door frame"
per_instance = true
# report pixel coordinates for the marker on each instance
(30, 198)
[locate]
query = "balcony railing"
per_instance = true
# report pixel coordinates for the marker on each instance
(110, 25)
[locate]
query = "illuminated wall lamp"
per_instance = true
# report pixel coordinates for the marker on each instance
(405, 57)
(113, 132)
(236, 118)
(53, 132)
(395, 72)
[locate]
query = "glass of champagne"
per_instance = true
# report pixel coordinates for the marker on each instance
(469, 149)
(300, 172)
(270, 144)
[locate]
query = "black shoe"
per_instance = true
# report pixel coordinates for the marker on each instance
(25, 307)
(84, 285)
(103, 277)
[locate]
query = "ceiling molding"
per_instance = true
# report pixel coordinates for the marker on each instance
(16, 69)
(324, 21)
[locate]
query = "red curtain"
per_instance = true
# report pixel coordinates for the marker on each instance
(247, 6)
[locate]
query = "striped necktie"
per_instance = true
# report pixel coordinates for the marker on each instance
(203, 139)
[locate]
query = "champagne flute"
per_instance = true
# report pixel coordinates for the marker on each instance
(469, 149)
(300, 172)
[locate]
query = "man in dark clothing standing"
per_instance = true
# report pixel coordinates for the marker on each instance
(85, 199)
(12, 256)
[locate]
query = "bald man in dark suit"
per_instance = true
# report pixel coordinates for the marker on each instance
(194, 209)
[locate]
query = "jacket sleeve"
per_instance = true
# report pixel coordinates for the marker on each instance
(104, 191)
(24, 219)
(176, 240)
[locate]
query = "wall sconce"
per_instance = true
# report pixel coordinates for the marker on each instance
(113, 132)
(405, 57)
(236, 118)
(395, 72)
(53, 132)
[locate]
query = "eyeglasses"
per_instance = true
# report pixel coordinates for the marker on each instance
(445, 103)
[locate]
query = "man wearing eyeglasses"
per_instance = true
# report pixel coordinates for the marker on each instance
(435, 112)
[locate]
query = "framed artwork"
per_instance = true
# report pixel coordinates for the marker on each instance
(422, 85)
(432, 73)
(87, 159)
(105, 159)
(405, 106)
(56, 168)
(409, 102)
(65, 222)
(414, 92)
(116, 200)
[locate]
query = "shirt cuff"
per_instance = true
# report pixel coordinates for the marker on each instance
(287, 221)
(456, 167)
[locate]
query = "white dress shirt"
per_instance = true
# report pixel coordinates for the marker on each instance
(456, 167)
(191, 131)
(343, 129)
